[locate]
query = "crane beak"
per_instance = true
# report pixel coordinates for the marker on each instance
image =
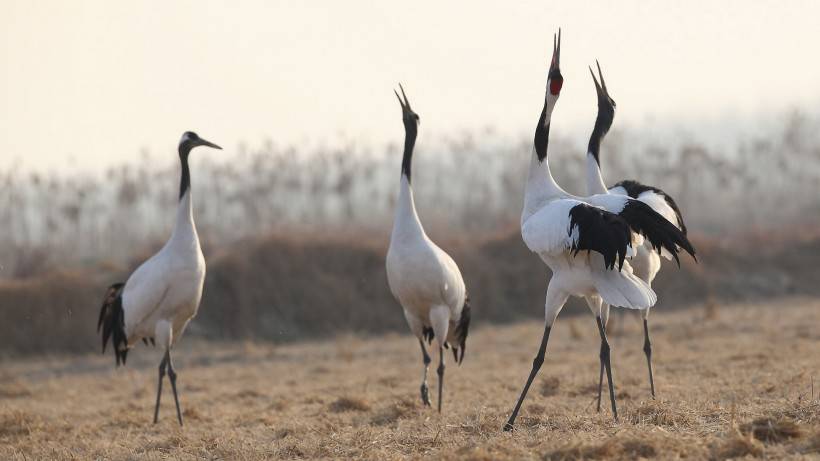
(203, 142)
(406, 110)
(405, 105)
(554, 78)
(601, 76)
(598, 88)
(556, 52)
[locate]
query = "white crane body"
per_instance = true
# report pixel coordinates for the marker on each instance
(585, 241)
(165, 290)
(423, 278)
(162, 295)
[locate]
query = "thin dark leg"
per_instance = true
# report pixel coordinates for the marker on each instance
(440, 372)
(536, 365)
(608, 365)
(425, 392)
(601, 376)
(647, 348)
(172, 375)
(162, 365)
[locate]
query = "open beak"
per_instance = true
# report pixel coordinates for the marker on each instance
(203, 142)
(405, 105)
(600, 88)
(556, 52)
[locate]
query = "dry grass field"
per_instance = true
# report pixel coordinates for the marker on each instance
(733, 381)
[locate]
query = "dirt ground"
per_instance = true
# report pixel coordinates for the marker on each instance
(733, 381)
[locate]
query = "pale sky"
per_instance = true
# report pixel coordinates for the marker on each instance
(98, 80)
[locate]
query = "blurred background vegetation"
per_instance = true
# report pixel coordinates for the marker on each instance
(295, 238)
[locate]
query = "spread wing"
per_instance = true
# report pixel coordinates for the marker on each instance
(659, 200)
(662, 234)
(571, 225)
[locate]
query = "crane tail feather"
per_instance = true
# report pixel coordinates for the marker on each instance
(462, 328)
(112, 323)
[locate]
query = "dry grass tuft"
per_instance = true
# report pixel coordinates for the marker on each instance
(737, 445)
(611, 448)
(278, 405)
(771, 430)
(631, 444)
(250, 394)
(660, 413)
(344, 404)
(167, 444)
(193, 414)
(400, 409)
(476, 454)
(812, 444)
(19, 423)
(550, 386)
(482, 424)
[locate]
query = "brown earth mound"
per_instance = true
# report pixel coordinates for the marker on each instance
(279, 289)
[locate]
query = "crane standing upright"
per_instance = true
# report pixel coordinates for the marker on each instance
(162, 295)
(558, 226)
(422, 277)
(646, 263)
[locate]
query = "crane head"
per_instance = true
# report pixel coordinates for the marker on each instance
(410, 118)
(554, 79)
(190, 140)
(606, 105)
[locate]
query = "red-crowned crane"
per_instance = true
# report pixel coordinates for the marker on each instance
(647, 262)
(423, 278)
(162, 295)
(585, 240)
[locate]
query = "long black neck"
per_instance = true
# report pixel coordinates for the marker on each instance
(185, 180)
(542, 136)
(410, 133)
(602, 124)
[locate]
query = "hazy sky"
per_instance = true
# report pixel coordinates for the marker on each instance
(98, 80)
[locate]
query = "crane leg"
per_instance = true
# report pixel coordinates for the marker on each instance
(162, 366)
(605, 357)
(605, 321)
(425, 392)
(600, 309)
(536, 365)
(647, 348)
(440, 372)
(172, 376)
(601, 377)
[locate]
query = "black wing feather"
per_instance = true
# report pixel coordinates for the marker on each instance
(635, 189)
(462, 328)
(112, 322)
(654, 227)
(600, 231)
